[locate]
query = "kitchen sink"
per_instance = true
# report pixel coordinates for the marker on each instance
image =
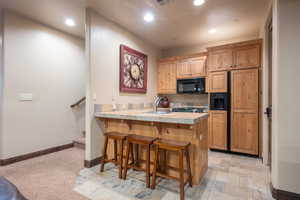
(159, 112)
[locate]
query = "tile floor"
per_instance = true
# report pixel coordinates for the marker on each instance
(228, 177)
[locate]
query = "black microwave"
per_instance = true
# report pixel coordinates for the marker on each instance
(191, 86)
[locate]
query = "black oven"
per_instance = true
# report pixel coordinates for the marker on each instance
(219, 101)
(191, 86)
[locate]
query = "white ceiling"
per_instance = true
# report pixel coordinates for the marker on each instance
(51, 12)
(178, 23)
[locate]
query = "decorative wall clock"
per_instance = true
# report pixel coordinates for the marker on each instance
(133, 70)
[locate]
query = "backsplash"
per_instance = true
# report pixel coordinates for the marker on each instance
(175, 101)
(119, 107)
(188, 100)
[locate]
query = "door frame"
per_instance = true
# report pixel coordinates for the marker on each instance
(264, 122)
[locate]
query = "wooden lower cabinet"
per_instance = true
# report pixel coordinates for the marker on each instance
(244, 132)
(218, 130)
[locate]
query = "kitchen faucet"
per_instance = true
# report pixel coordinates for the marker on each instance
(157, 102)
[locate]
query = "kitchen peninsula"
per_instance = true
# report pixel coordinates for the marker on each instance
(186, 127)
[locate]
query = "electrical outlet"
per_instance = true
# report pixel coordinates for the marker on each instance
(25, 97)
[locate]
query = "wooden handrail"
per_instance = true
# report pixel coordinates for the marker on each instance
(78, 102)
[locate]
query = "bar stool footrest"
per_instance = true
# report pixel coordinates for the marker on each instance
(171, 177)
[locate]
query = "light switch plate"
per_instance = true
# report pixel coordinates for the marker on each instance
(25, 97)
(94, 97)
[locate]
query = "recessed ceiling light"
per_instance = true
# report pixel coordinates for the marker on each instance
(198, 2)
(70, 22)
(148, 17)
(212, 31)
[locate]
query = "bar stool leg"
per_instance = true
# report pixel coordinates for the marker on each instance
(163, 159)
(116, 151)
(136, 152)
(148, 166)
(187, 156)
(155, 167)
(121, 159)
(104, 154)
(132, 156)
(129, 148)
(181, 168)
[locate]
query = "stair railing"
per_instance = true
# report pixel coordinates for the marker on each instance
(78, 102)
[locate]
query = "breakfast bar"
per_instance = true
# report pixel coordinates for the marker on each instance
(173, 126)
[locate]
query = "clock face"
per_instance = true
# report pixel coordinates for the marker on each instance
(135, 71)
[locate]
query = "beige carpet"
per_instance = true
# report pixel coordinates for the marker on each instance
(49, 177)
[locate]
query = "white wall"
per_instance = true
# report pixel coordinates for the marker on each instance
(286, 82)
(50, 65)
(103, 42)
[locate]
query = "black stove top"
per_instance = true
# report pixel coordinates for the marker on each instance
(190, 109)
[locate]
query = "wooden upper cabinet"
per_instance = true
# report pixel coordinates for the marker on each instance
(220, 60)
(218, 130)
(191, 68)
(217, 82)
(244, 111)
(198, 66)
(235, 56)
(166, 79)
(247, 56)
(183, 69)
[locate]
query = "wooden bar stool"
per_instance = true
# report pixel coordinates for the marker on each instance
(115, 136)
(138, 140)
(182, 149)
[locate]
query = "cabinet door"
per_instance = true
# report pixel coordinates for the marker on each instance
(247, 56)
(244, 91)
(218, 82)
(218, 129)
(220, 60)
(183, 69)
(244, 112)
(166, 78)
(244, 134)
(198, 66)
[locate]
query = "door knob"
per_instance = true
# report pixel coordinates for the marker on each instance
(268, 112)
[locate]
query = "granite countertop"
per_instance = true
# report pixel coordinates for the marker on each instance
(146, 115)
